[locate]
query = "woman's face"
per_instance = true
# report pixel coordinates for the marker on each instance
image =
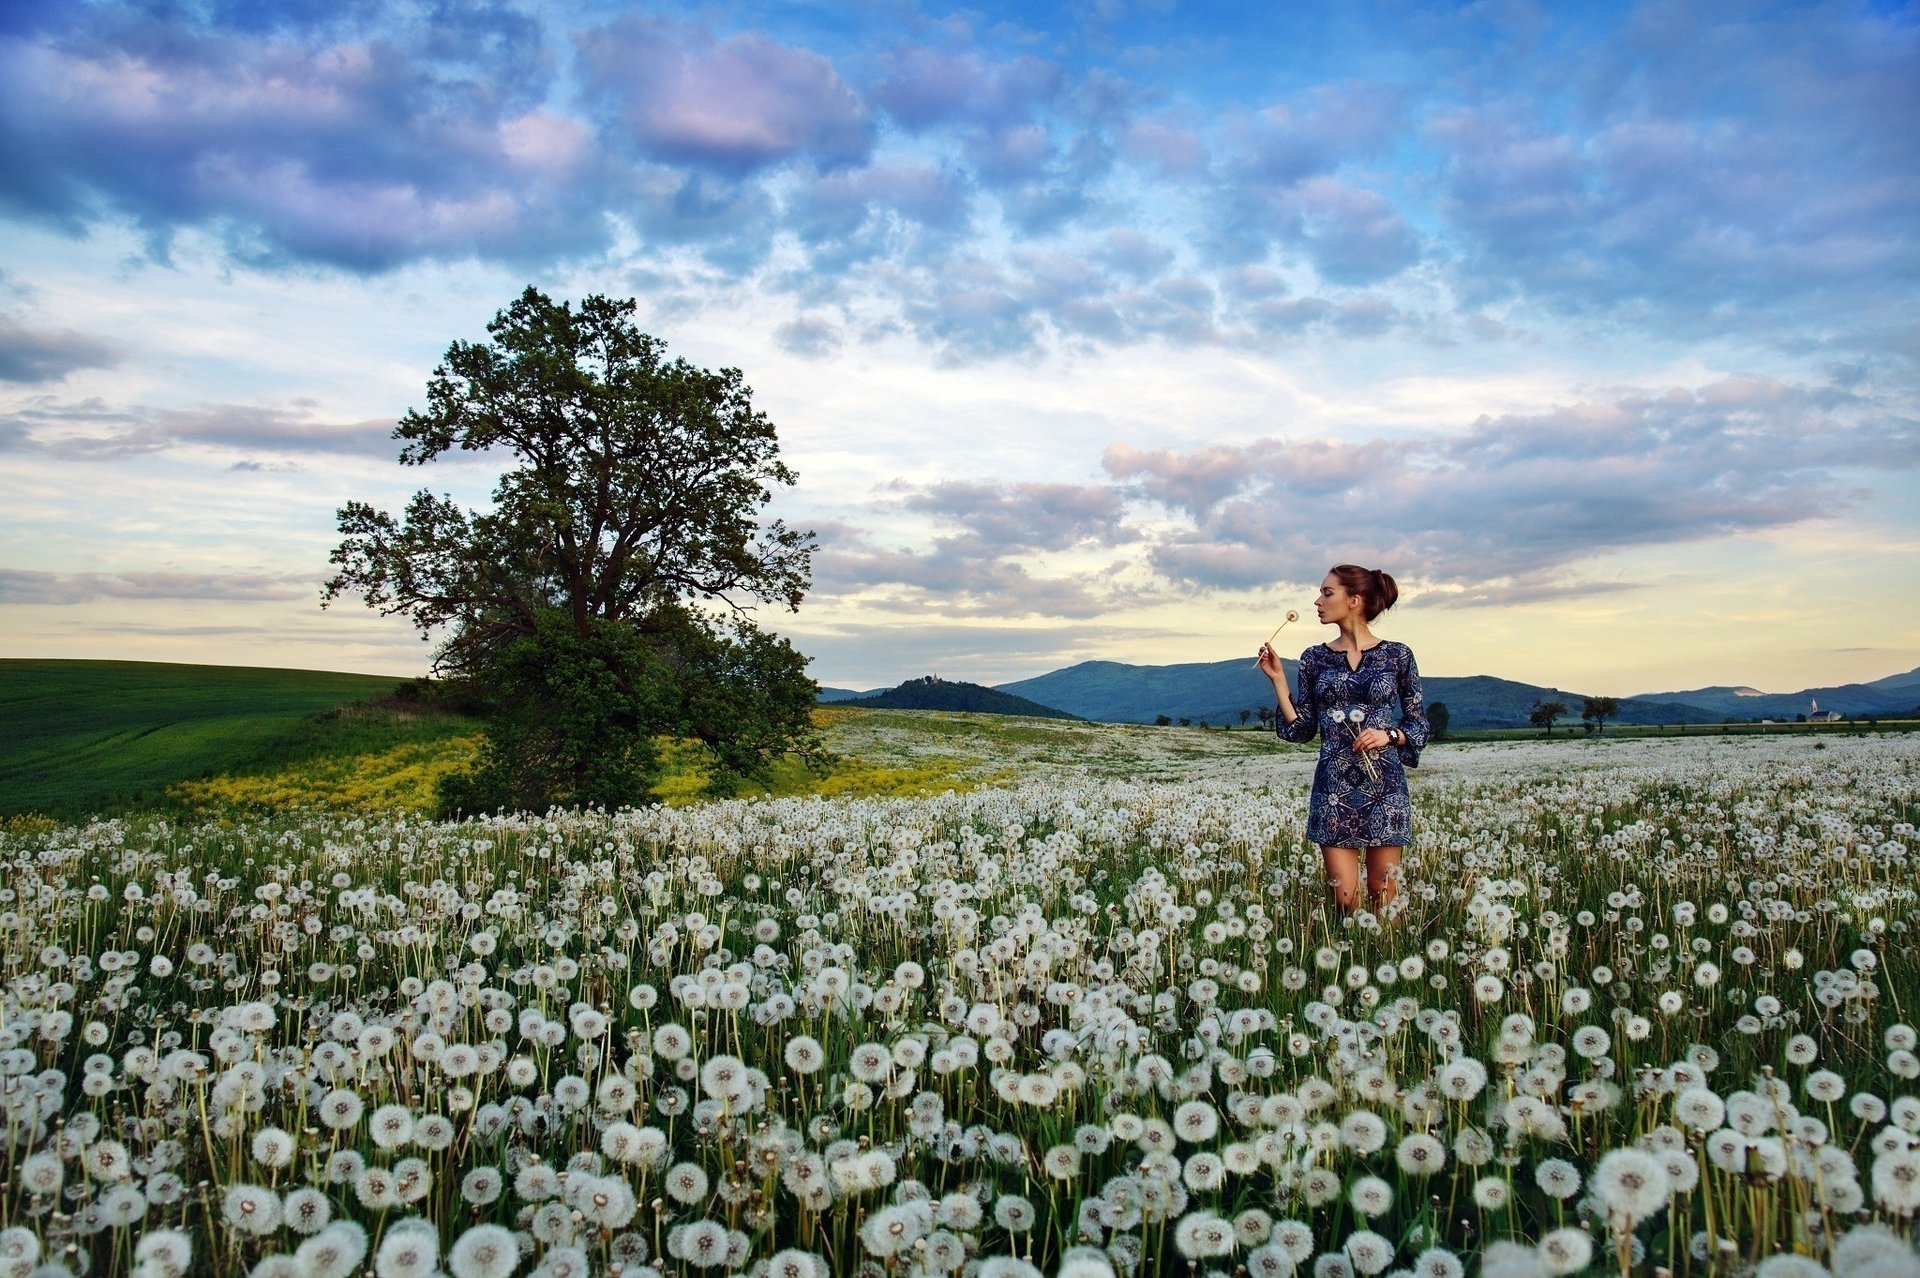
(1336, 604)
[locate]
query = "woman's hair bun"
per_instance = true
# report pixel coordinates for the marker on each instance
(1384, 593)
(1376, 587)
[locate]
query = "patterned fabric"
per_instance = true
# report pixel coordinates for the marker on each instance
(1351, 809)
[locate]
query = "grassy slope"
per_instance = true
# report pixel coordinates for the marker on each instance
(86, 735)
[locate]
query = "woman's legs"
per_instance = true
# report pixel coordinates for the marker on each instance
(1383, 875)
(1343, 876)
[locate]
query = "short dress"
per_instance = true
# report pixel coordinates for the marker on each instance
(1349, 808)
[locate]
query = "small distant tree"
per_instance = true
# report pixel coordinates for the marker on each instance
(1545, 712)
(1266, 716)
(1161, 720)
(1437, 718)
(1599, 710)
(1245, 714)
(1185, 722)
(1801, 717)
(1204, 725)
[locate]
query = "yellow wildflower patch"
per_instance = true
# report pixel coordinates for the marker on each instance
(684, 776)
(405, 777)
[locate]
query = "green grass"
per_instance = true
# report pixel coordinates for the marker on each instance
(85, 736)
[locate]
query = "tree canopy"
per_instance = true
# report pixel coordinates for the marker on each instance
(607, 595)
(1597, 710)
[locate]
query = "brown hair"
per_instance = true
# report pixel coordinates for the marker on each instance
(1371, 584)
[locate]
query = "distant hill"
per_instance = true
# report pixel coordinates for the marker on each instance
(1895, 694)
(934, 693)
(1482, 701)
(1218, 690)
(828, 695)
(1115, 692)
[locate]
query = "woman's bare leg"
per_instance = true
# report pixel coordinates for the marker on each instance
(1383, 876)
(1343, 876)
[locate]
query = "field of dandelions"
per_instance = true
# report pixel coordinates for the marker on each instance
(1641, 1006)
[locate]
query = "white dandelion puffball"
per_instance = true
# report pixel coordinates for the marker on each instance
(273, 1147)
(334, 1252)
(1896, 1181)
(391, 1126)
(163, 1253)
(1566, 1251)
(251, 1209)
(411, 1249)
(1438, 1262)
(1630, 1184)
(794, 1263)
(1370, 1253)
(1370, 1196)
(484, 1251)
(1196, 1122)
(804, 1055)
(1557, 1178)
(1203, 1234)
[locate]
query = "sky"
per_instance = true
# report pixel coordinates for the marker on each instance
(1092, 330)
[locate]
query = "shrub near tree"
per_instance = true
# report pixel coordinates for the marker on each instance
(606, 598)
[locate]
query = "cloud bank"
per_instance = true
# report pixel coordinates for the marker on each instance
(1509, 509)
(996, 189)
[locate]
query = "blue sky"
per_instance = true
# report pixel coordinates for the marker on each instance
(1096, 330)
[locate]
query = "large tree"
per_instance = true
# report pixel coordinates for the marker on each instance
(606, 597)
(1545, 712)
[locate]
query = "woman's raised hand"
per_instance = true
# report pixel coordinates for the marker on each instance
(1269, 662)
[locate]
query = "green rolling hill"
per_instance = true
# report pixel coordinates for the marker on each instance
(84, 736)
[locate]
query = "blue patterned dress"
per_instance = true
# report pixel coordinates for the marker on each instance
(1349, 809)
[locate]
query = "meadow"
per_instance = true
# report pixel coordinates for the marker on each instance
(86, 735)
(1642, 1005)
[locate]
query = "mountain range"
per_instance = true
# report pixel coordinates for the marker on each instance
(1115, 692)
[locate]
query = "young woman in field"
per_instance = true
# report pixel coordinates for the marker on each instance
(1362, 695)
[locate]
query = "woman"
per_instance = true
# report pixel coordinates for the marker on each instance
(1348, 691)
